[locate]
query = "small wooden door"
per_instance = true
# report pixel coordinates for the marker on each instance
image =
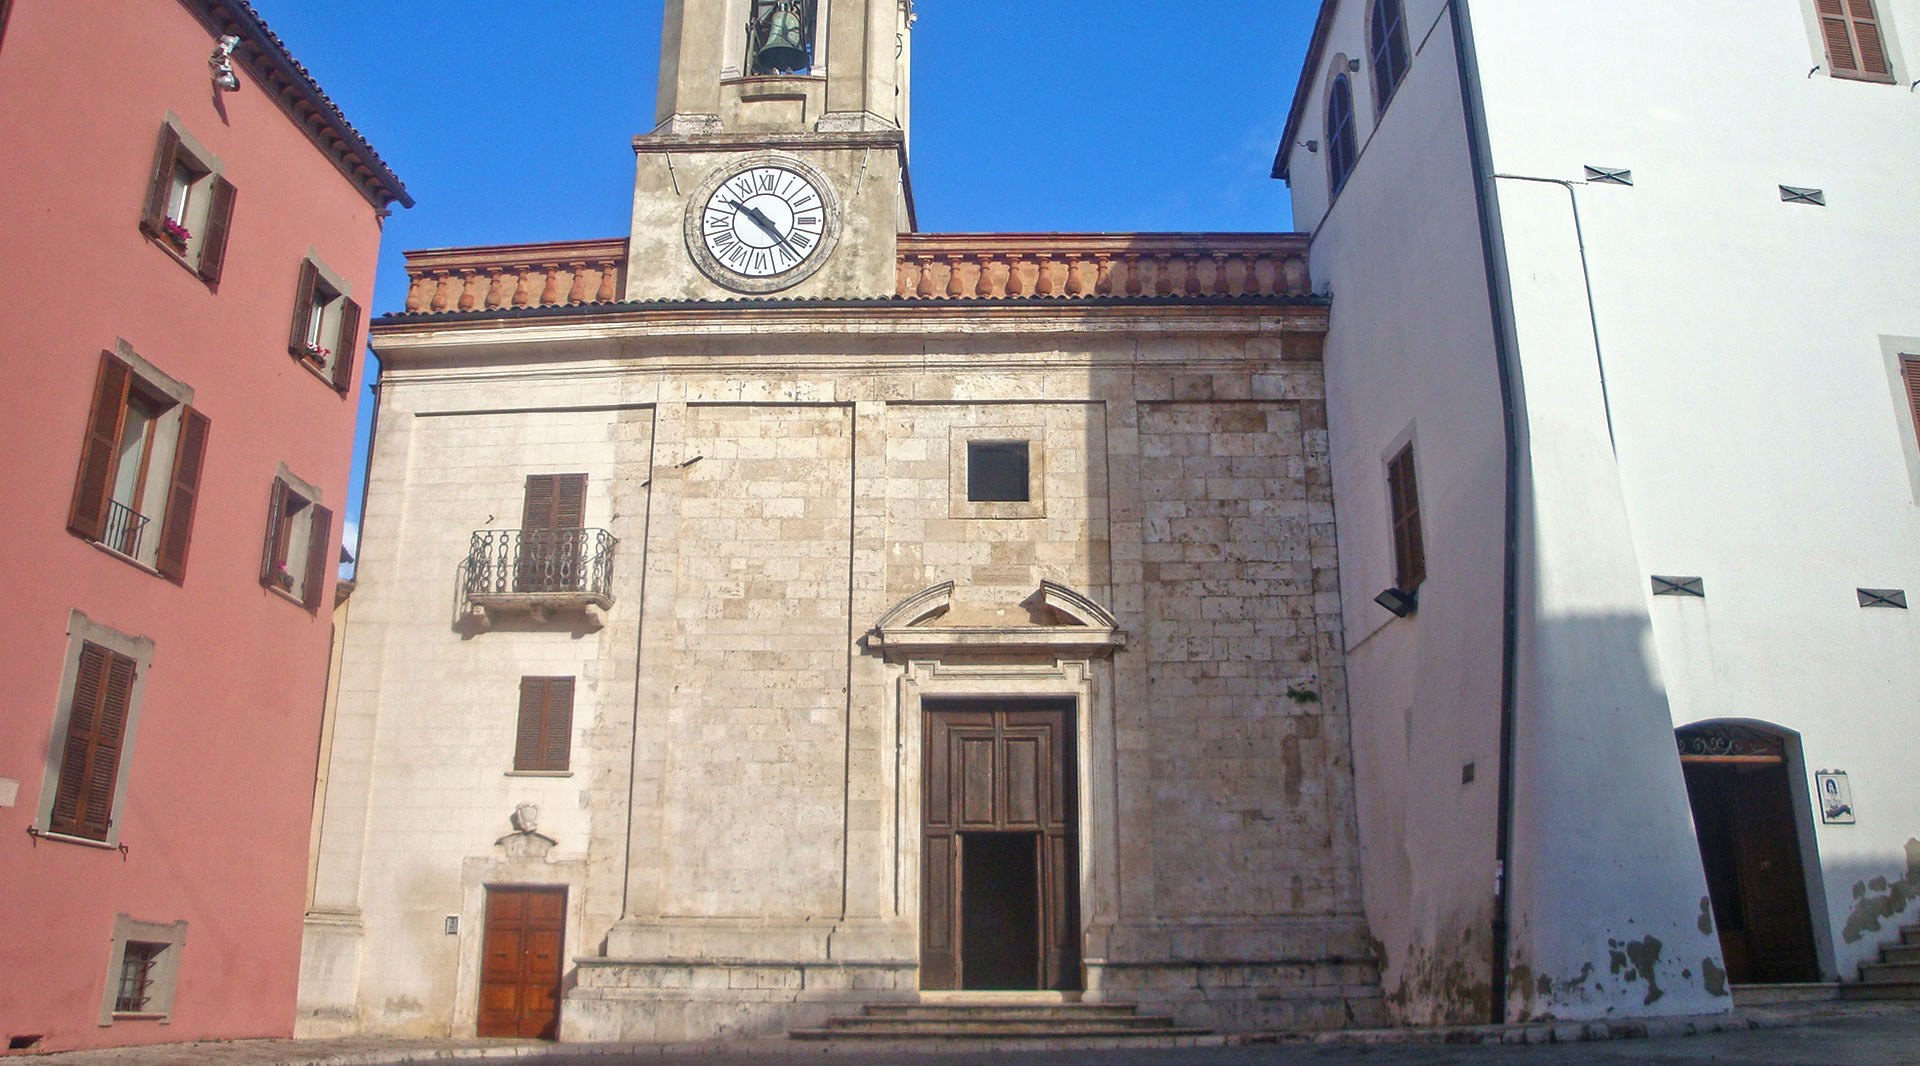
(520, 962)
(998, 849)
(1742, 800)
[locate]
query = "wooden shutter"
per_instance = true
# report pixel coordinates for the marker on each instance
(303, 308)
(346, 344)
(165, 157)
(543, 739)
(1410, 557)
(554, 501)
(90, 759)
(274, 551)
(183, 494)
(1910, 373)
(87, 517)
(318, 535)
(1855, 46)
(213, 236)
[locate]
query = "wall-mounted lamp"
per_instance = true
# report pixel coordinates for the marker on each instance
(221, 63)
(1353, 66)
(1311, 146)
(1400, 603)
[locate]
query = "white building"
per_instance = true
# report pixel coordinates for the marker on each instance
(1639, 287)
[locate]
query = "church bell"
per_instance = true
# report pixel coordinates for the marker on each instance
(781, 34)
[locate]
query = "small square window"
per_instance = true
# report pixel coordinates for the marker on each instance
(143, 967)
(326, 325)
(294, 560)
(998, 471)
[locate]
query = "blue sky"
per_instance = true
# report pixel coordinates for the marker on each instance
(513, 122)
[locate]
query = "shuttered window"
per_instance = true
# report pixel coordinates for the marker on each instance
(1342, 141)
(1856, 45)
(1910, 376)
(189, 206)
(90, 752)
(1387, 43)
(294, 556)
(326, 327)
(554, 501)
(551, 542)
(1409, 552)
(544, 739)
(132, 493)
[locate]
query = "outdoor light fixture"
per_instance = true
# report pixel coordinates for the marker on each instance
(221, 63)
(1400, 603)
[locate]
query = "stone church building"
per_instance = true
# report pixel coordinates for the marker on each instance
(780, 609)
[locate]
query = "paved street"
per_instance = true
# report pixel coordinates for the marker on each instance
(1864, 1034)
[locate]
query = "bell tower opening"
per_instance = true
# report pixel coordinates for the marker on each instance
(780, 35)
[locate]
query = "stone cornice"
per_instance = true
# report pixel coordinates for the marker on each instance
(688, 143)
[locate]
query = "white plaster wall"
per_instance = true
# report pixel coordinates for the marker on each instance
(1749, 349)
(1410, 357)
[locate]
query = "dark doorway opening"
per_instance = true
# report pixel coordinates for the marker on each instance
(999, 905)
(1742, 795)
(1000, 910)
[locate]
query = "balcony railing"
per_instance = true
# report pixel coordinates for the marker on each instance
(539, 571)
(123, 529)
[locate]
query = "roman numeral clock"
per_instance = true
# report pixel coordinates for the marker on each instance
(762, 224)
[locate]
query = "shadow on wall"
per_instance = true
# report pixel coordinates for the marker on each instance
(1614, 867)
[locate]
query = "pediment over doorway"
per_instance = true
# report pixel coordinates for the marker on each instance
(1056, 619)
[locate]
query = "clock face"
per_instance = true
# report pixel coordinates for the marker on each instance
(764, 221)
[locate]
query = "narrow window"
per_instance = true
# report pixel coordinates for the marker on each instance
(1856, 47)
(544, 739)
(1910, 376)
(1409, 552)
(90, 752)
(137, 965)
(189, 205)
(1341, 138)
(294, 559)
(326, 326)
(998, 471)
(551, 539)
(139, 471)
(780, 37)
(1387, 42)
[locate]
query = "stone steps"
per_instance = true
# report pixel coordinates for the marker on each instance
(998, 1021)
(1895, 976)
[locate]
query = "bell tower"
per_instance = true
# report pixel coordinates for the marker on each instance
(777, 165)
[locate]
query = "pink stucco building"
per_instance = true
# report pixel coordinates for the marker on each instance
(187, 244)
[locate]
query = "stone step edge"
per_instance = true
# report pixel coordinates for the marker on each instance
(952, 1033)
(1114, 1010)
(1065, 1025)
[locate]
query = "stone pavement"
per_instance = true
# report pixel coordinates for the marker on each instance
(1803, 1034)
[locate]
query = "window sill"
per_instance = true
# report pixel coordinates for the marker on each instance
(325, 374)
(61, 838)
(190, 265)
(287, 596)
(539, 773)
(125, 558)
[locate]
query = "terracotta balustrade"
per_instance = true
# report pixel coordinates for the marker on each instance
(1003, 266)
(521, 275)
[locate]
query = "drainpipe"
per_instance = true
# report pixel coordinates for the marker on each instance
(1474, 110)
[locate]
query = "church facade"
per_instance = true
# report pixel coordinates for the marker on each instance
(780, 609)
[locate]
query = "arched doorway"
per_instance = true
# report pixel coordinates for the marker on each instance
(1743, 792)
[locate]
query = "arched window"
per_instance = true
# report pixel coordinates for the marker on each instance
(1387, 41)
(1340, 135)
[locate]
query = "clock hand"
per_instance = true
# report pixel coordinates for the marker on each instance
(763, 222)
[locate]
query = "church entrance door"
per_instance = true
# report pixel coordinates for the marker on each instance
(520, 962)
(1742, 796)
(999, 906)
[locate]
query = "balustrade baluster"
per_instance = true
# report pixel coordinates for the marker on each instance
(582, 284)
(928, 286)
(956, 287)
(1103, 275)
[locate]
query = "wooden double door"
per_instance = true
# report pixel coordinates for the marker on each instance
(999, 878)
(1743, 814)
(520, 961)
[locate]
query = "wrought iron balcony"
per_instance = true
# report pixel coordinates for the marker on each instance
(123, 528)
(538, 572)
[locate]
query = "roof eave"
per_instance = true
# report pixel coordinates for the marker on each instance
(1322, 28)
